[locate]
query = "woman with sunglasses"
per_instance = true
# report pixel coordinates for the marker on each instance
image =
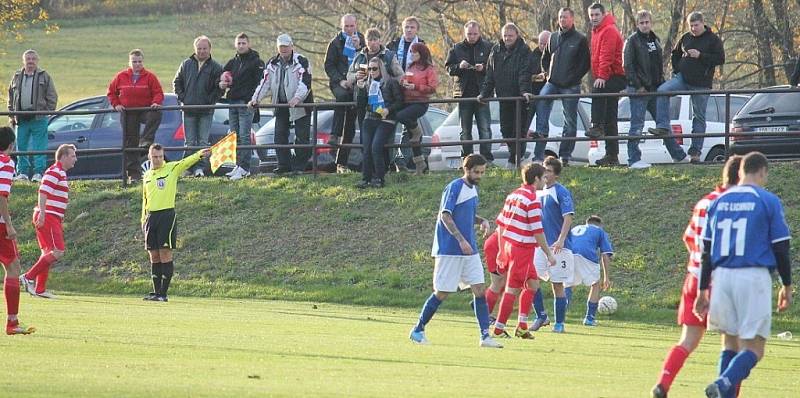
(384, 99)
(419, 83)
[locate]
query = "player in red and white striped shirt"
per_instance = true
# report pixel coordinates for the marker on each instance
(9, 255)
(519, 229)
(693, 327)
(47, 217)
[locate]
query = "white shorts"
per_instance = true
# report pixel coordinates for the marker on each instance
(452, 272)
(586, 273)
(563, 270)
(741, 302)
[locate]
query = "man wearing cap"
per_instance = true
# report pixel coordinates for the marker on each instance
(287, 76)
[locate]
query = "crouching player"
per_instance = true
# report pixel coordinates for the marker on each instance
(519, 231)
(47, 218)
(694, 327)
(8, 237)
(587, 239)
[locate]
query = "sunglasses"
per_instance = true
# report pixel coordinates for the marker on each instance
(373, 68)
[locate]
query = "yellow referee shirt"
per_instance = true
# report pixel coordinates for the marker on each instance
(159, 186)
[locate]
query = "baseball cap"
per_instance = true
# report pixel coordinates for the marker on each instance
(284, 40)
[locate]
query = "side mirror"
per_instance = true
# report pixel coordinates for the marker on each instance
(51, 135)
(227, 122)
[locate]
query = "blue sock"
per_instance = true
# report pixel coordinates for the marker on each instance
(725, 358)
(591, 310)
(538, 305)
(561, 309)
(737, 370)
(430, 307)
(482, 314)
(568, 293)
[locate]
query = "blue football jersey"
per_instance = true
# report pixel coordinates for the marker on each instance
(742, 224)
(587, 239)
(556, 203)
(461, 201)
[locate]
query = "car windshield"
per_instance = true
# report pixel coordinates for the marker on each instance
(771, 103)
(453, 119)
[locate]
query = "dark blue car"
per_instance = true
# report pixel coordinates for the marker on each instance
(104, 131)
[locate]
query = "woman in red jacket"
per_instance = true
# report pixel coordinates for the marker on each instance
(419, 83)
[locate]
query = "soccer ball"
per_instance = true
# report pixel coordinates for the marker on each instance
(607, 305)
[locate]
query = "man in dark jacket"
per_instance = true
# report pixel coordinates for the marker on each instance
(569, 51)
(466, 62)
(508, 75)
(196, 83)
(31, 89)
(642, 60)
(240, 77)
(694, 60)
(342, 49)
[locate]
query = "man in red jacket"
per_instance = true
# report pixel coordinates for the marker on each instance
(136, 87)
(609, 77)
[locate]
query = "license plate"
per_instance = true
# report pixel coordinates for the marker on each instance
(454, 163)
(772, 129)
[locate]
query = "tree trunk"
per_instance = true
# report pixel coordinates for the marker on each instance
(676, 20)
(763, 42)
(784, 35)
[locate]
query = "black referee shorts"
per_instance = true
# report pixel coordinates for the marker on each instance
(160, 230)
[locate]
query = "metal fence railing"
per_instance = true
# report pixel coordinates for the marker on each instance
(518, 140)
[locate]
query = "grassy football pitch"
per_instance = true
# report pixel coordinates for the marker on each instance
(121, 346)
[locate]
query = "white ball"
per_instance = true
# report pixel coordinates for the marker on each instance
(607, 305)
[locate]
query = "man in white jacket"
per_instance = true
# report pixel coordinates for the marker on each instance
(287, 76)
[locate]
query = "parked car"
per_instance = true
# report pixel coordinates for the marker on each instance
(681, 114)
(103, 130)
(326, 157)
(449, 157)
(769, 113)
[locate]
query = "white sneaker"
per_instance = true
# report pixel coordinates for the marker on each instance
(199, 173)
(489, 342)
(27, 284)
(21, 177)
(36, 177)
(239, 173)
(686, 159)
(639, 165)
(230, 173)
(47, 294)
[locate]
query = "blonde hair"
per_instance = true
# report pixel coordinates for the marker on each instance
(64, 150)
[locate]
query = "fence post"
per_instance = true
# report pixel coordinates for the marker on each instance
(124, 162)
(727, 124)
(517, 131)
(314, 140)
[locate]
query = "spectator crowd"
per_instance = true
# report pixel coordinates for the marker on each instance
(391, 85)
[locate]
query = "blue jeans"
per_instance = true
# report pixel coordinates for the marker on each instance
(543, 108)
(32, 136)
(480, 112)
(699, 103)
(196, 130)
(241, 121)
(640, 105)
(374, 135)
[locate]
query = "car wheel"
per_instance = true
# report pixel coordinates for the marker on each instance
(716, 155)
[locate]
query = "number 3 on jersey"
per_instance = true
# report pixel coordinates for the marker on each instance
(726, 225)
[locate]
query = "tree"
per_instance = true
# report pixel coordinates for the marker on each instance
(18, 15)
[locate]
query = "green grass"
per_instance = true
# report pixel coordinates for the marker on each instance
(321, 239)
(102, 346)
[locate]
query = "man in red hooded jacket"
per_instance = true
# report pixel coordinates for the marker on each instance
(136, 87)
(609, 77)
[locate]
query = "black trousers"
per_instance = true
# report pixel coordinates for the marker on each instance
(605, 112)
(131, 120)
(508, 125)
(344, 123)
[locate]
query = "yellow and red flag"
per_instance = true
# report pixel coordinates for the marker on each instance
(224, 151)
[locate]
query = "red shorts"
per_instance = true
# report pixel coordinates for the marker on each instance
(689, 293)
(8, 248)
(490, 250)
(51, 234)
(517, 262)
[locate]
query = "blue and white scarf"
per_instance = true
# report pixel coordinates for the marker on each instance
(375, 97)
(401, 51)
(349, 50)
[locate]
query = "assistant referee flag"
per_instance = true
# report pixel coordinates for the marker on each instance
(223, 152)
